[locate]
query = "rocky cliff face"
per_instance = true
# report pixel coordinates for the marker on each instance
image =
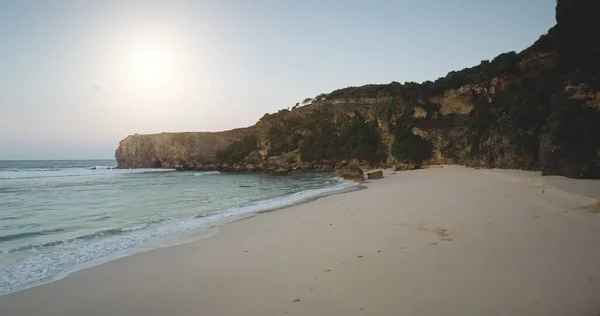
(185, 151)
(532, 110)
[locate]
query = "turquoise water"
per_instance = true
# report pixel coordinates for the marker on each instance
(58, 216)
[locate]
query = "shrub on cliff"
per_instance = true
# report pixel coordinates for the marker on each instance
(347, 137)
(408, 147)
(284, 136)
(238, 150)
(517, 113)
(321, 136)
(570, 140)
(320, 130)
(359, 139)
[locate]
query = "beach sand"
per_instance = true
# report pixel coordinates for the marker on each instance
(441, 241)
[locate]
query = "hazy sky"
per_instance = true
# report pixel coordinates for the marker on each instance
(78, 76)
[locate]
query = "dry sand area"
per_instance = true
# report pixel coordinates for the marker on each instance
(440, 241)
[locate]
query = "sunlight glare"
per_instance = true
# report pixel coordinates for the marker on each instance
(151, 62)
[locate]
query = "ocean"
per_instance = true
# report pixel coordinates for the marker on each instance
(60, 216)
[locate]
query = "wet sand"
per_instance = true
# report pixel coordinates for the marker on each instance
(440, 241)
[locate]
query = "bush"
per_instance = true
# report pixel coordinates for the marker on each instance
(408, 147)
(572, 140)
(238, 150)
(320, 136)
(284, 136)
(359, 139)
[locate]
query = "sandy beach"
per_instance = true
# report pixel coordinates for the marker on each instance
(441, 241)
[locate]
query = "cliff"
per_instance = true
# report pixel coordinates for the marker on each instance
(175, 150)
(538, 109)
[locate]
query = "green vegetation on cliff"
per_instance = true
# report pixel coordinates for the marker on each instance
(238, 150)
(322, 136)
(408, 147)
(537, 109)
(506, 64)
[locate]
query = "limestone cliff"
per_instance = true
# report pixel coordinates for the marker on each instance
(537, 109)
(175, 150)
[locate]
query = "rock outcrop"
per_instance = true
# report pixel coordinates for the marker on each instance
(373, 175)
(185, 151)
(352, 172)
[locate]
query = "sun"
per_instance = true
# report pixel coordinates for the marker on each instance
(151, 61)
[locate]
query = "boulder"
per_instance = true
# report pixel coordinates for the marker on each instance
(352, 172)
(405, 166)
(375, 175)
(253, 157)
(278, 162)
(189, 165)
(281, 170)
(238, 167)
(304, 166)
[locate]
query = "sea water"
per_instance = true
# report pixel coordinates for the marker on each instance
(59, 216)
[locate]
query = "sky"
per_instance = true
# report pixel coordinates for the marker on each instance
(76, 76)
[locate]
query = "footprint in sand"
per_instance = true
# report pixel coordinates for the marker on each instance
(442, 233)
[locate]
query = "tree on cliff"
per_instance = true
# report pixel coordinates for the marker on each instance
(321, 97)
(307, 101)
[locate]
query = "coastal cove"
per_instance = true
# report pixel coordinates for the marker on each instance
(402, 245)
(300, 158)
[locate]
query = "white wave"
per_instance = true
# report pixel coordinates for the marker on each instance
(71, 172)
(206, 173)
(102, 167)
(135, 227)
(46, 267)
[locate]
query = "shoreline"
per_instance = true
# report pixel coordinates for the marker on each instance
(404, 245)
(208, 231)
